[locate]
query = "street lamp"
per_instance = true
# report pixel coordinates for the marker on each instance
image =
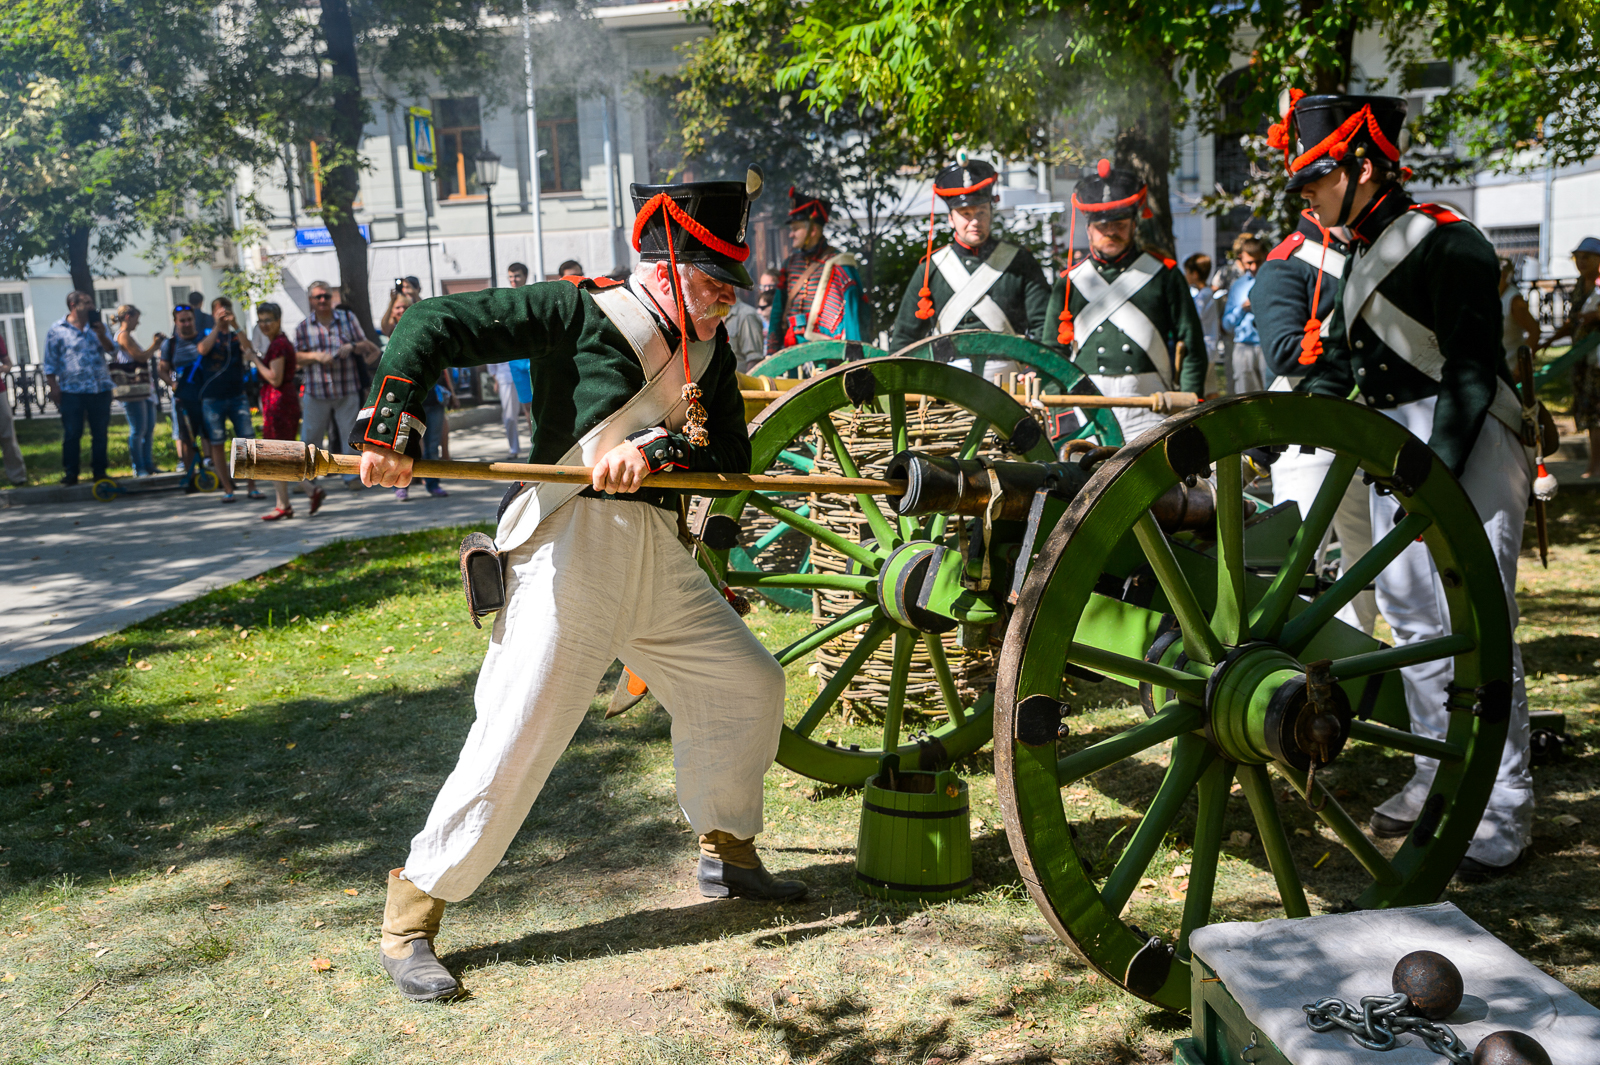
(487, 164)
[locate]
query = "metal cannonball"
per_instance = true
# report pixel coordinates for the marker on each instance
(1431, 981)
(1509, 1048)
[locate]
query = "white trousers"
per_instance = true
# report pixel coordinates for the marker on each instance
(1297, 478)
(1247, 369)
(510, 406)
(601, 580)
(1132, 419)
(1412, 600)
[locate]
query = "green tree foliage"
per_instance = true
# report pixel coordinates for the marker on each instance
(106, 131)
(729, 112)
(1044, 79)
(292, 73)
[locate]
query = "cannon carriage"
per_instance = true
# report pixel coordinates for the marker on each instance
(1148, 564)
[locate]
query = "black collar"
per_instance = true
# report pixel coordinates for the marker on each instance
(1390, 203)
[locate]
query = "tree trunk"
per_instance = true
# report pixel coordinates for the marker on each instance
(342, 182)
(1145, 147)
(78, 259)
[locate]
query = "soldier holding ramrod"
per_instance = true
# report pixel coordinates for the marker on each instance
(629, 378)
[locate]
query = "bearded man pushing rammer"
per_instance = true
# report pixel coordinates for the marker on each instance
(629, 378)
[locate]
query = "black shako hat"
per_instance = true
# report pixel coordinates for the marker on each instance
(1107, 193)
(1319, 133)
(706, 220)
(966, 183)
(804, 207)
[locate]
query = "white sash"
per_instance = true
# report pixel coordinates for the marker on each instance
(1109, 303)
(659, 402)
(1403, 334)
(842, 259)
(1311, 252)
(970, 292)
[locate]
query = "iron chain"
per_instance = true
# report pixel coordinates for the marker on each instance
(1380, 1022)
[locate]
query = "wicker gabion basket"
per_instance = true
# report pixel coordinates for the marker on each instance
(934, 427)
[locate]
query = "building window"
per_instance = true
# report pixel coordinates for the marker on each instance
(560, 168)
(1514, 242)
(14, 328)
(106, 299)
(1438, 74)
(458, 135)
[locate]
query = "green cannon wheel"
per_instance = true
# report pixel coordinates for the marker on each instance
(1257, 677)
(892, 546)
(982, 349)
(816, 353)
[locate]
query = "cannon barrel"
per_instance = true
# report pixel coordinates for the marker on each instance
(944, 484)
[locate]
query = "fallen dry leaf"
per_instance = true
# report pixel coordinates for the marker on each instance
(352, 891)
(1241, 838)
(1566, 820)
(321, 965)
(409, 1028)
(145, 667)
(215, 906)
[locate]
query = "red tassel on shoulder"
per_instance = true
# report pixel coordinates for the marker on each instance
(925, 302)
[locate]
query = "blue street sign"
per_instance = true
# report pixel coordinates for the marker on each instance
(319, 237)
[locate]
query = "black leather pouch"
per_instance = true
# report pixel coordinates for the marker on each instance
(483, 580)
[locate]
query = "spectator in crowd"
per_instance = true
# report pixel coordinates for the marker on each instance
(1225, 275)
(512, 409)
(1197, 269)
(1248, 367)
(280, 396)
(411, 286)
(222, 398)
(570, 268)
(386, 323)
(79, 385)
(768, 291)
(1583, 318)
(1518, 325)
(328, 345)
(202, 321)
(182, 371)
(746, 335)
(16, 469)
(141, 410)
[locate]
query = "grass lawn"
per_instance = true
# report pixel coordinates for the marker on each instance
(200, 811)
(40, 440)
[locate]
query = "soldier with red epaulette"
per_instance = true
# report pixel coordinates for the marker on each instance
(1415, 332)
(819, 286)
(629, 379)
(1121, 311)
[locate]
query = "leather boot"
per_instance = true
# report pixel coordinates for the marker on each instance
(730, 867)
(410, 921)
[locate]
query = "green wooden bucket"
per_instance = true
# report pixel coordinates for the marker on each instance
(915, 841)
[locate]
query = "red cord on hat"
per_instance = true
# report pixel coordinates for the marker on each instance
(661, 201)
(925, 294)
(1337, 143)
(1311, 343)
(1066, 331)
(695, 417)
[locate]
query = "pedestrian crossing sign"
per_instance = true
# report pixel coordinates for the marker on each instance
(419, 139)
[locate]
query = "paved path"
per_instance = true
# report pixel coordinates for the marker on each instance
(76, 571)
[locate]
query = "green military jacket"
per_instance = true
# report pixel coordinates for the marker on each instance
(1020, 292)
(1450, 284)
(1110, 351)
(1282, 296)
(581, 367)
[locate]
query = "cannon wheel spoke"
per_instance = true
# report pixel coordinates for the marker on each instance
(1245, 630)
